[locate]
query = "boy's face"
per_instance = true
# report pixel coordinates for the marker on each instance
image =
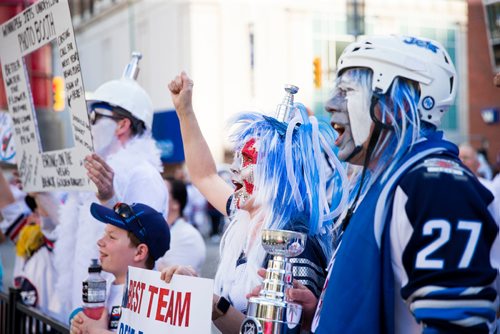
(116, 252)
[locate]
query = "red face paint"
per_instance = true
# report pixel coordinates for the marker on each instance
(249, 153)
(244, 163)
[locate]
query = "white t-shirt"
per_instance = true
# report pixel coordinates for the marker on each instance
(186, 247)
(113, 304)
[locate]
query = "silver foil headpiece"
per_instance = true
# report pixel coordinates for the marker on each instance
(284, 109)
(132, 69)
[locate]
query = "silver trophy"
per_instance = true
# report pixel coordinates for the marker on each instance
(271, 312)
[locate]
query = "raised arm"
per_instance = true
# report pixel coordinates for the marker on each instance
(199, 160)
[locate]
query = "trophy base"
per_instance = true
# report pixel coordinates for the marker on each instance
(267, 316)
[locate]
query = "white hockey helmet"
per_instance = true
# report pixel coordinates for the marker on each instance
(419, 59)
(127, 94)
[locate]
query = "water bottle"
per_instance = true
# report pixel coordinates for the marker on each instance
(94, 292)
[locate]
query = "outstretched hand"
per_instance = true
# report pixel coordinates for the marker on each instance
(168, 272)
(256, 290)
(102, 175)
(16, 181)
(181, 90)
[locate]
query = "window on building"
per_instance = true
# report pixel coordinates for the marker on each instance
(492, 10)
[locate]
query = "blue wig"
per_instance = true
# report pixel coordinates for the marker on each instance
(296, 166)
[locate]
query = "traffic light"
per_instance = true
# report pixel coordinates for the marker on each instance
(58, 93)
(317, 72)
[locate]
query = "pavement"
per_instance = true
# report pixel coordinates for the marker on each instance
(212, 260)
(211, 264)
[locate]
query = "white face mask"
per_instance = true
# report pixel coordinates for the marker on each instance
(358, 107)
(103, 134)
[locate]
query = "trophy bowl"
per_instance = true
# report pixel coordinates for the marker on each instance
(283, 243)
(271, 312)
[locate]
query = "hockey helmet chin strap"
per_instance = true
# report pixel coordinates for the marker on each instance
(379, 126)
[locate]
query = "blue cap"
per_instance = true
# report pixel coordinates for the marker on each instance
(147, 224)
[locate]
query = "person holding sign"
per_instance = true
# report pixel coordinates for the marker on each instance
(135, 235)
(280, 174)
(125, 167)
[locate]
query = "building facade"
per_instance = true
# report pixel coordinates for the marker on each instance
(483, 62)
(240, 53)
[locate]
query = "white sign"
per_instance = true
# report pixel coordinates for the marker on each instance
(42, 169)
(7, 149)
(152, 306)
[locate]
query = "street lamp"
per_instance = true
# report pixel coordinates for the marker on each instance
(355, 11)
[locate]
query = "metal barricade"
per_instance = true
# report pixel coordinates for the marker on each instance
(4, 313)
(17, 318)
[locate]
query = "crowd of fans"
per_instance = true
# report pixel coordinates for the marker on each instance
(407, 243)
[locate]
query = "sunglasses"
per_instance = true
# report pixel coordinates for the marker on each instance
(94, 116)
(129, 217)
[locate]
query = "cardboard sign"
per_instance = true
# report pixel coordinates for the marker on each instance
(7, 149)
(152, 306)
(46, 21)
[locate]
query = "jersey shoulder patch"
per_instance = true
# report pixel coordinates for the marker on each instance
(441, 165)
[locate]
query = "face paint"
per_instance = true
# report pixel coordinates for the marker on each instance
(103, 135)
(339, 120)
(358, 107)
(350, 116)
(243, 172)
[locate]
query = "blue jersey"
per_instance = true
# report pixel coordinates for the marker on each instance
(416, 256)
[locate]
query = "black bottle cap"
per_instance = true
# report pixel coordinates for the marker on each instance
(95, 267)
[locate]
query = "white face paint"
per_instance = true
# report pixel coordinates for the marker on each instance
(103, 134)
(358, 107)
(350, 115)
(340, 122)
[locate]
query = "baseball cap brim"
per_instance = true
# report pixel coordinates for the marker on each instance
(107, 216)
